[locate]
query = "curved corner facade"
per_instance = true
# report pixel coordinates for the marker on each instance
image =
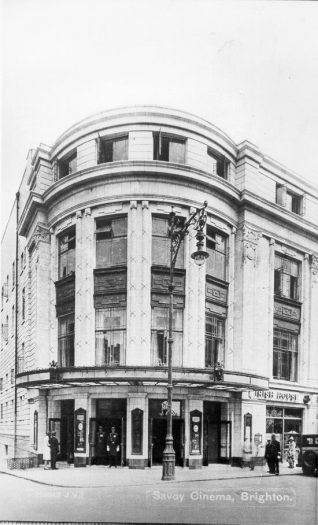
(85, 295)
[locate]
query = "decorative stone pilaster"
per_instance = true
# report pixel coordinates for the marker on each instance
(146, 242)
(314, 268)
(250, 243)
(229, 363)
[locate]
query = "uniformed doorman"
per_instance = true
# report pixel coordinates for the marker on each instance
(113, 447)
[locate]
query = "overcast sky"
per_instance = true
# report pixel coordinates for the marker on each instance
(249, 67)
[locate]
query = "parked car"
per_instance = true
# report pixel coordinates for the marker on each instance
(308, 458)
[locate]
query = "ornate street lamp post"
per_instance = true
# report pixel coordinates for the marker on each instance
(178, 231)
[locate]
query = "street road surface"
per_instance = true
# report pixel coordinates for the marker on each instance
(285, 500)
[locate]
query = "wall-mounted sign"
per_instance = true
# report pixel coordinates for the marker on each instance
(195, 431)
(137, 418)
(80, 430)
(275, 395)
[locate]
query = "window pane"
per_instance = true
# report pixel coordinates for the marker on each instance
(120, 149)
(176, 151)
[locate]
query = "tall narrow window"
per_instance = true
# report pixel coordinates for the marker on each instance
(112, 150)
(12, 376)
(111, 242)
(12, 322)
(216, 246)
(214, 340)
(13, 274)
(161, 243)
(217, 164)
(23, 305)
(110, 336)
(160, 333)
(67, 165)
(168, 148)
(286, 277)
(35, 429)
(285, 355)
(66, 341)
(67, 253)
(20, 367)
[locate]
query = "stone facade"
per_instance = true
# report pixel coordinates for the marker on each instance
(85, 277)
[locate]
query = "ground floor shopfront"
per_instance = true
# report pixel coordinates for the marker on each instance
(210, 423)
(202, 428)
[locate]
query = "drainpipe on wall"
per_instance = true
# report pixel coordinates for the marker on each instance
(16, 328)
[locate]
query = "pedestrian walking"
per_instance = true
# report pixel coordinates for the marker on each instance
(272, 455)
(291, 452)
(54, 450)
(113, 447)
(46, 451)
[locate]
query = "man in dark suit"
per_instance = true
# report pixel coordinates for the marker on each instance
(54, 444)
(113, 447)
(273, 455)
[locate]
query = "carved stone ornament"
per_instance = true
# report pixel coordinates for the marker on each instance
(250, 242)
(314, 267)
(40, 234)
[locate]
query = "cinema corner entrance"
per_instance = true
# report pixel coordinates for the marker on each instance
(216, 435)
(158, 428)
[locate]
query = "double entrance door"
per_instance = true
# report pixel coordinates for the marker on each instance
(99, 430)
(157, 436)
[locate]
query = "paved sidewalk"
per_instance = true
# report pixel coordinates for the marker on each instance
(102, 476)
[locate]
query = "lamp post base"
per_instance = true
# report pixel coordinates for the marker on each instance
(168, 460)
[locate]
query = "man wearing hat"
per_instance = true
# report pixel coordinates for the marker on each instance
(54, 444)
(113, 447)
(291, 452)
(272, 455)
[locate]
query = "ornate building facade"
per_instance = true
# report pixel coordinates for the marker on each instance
(85, 295)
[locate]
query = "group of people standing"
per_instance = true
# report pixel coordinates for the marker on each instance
(50, 450)
(272, 454)
(109, 446)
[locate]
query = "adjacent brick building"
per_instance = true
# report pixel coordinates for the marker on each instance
(85, 265)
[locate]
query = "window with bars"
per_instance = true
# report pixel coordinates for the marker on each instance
(111, 242)
(110, 334)
(112, 150)
(214, 340)
(160, 334)
(285, 353)
(216, 246)
(286, 277)
(161, 242)
(168, 148)
(67, 165)
(67, 243)
(66, 341)
(217, 164)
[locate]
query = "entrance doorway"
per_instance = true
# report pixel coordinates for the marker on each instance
(157, 438)
(216, 435)
(109, 413)
(64, 428)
